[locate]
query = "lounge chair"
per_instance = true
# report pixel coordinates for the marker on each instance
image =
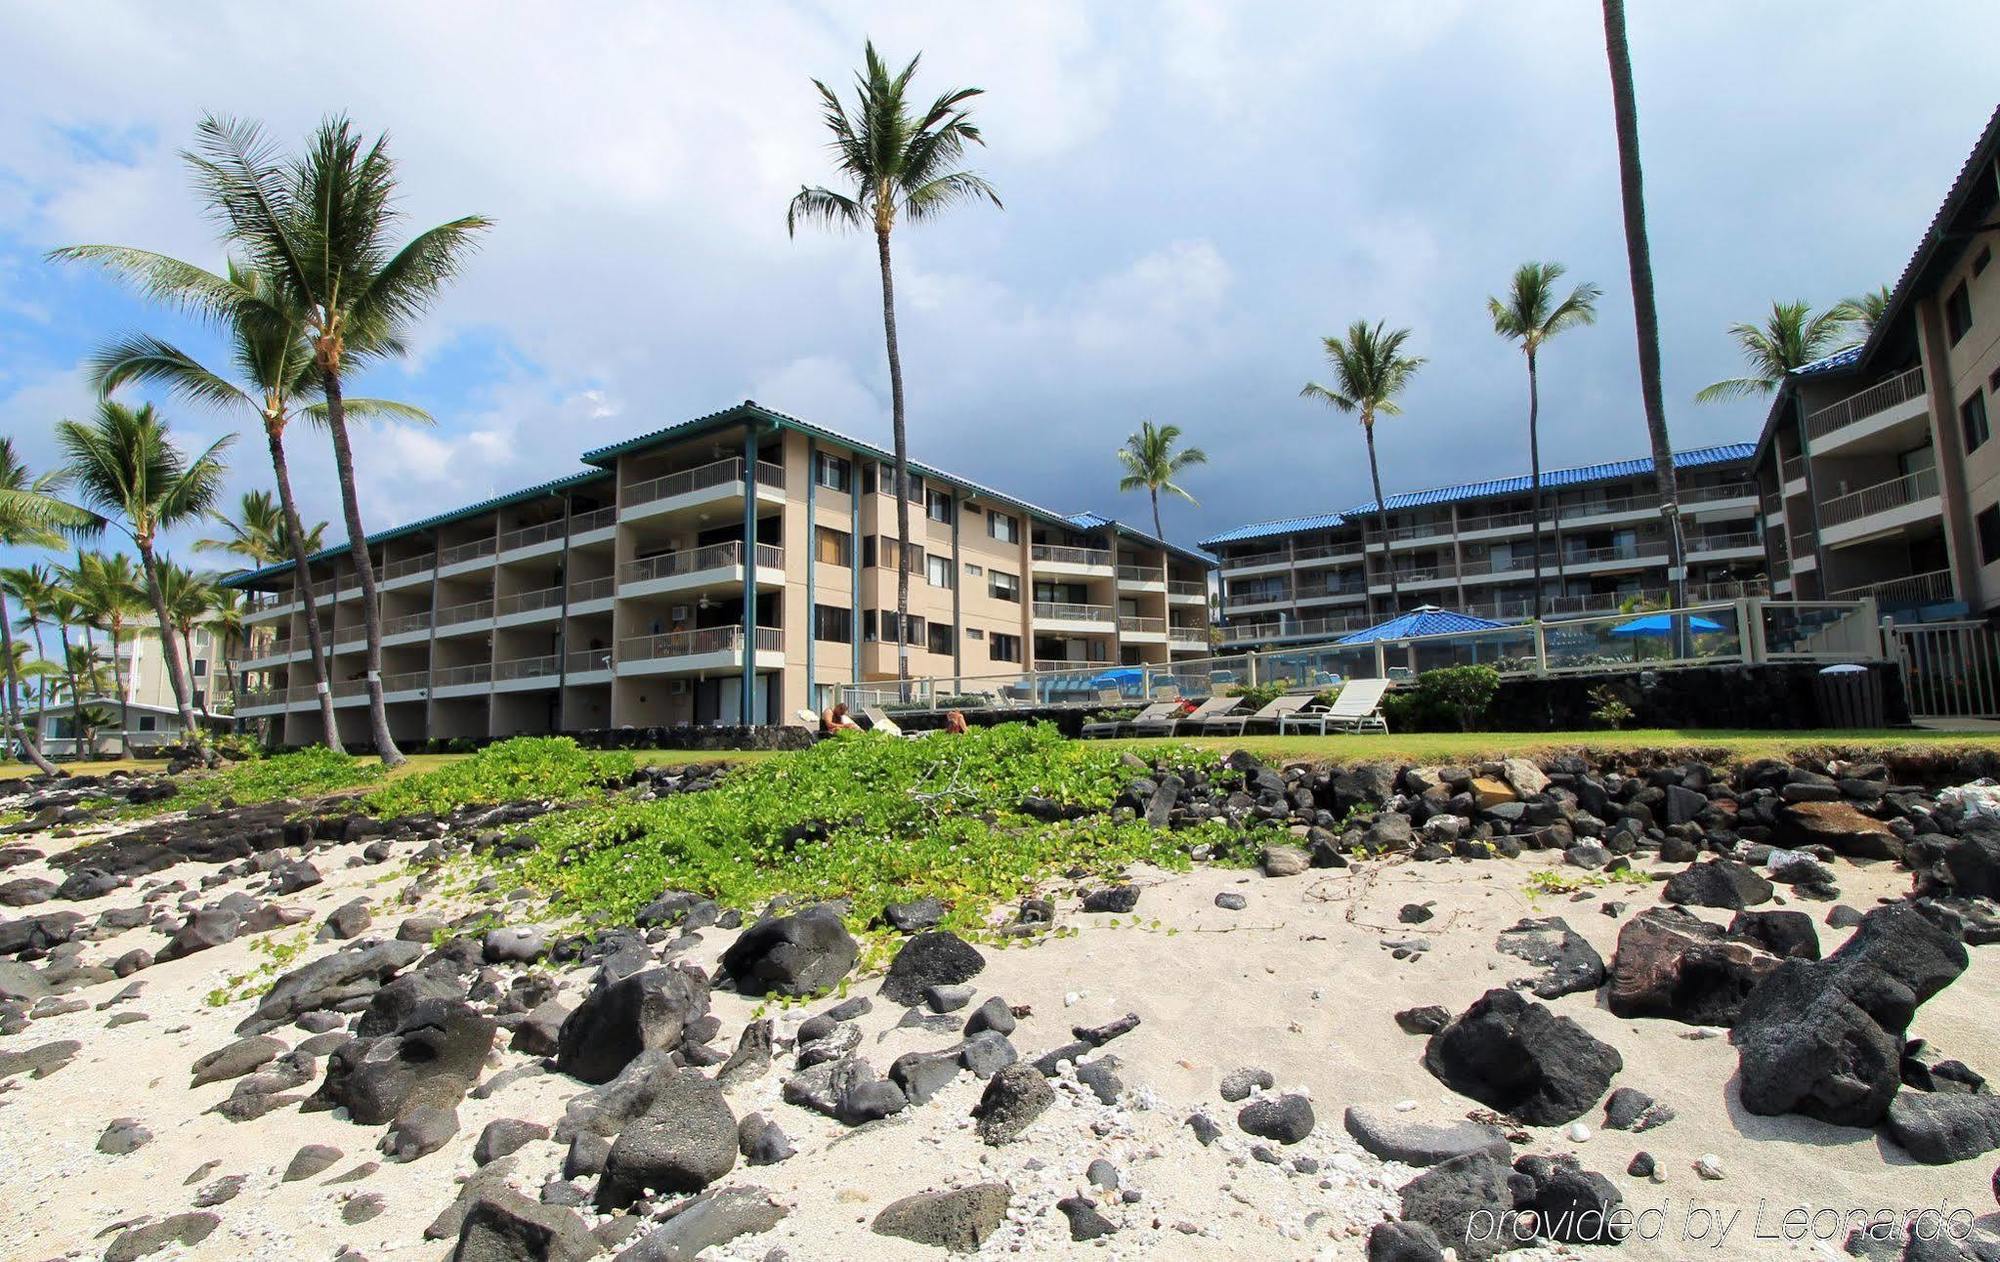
(808, 718)
(1274, 712)
(881, 722)
(1358, 708)
(1193, 720)
(1151, 714)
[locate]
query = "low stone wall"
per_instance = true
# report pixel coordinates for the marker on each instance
(684, 736)
(1768, 695)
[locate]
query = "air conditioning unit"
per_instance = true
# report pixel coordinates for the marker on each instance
(680, 613)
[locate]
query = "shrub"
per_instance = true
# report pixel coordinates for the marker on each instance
(1448, 699)
(305, 773)
(552, 767)
(1609, 709)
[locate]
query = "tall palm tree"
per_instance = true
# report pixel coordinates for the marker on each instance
(1531, 314)
(318, 227)
(1865, 310)
(897, 164)
(188, 598)
(1369, 371)
(1790, 337)
(124, 465)
(65, 611)
(225, 621)
(1151, 464)
(32, 515)
(1645, 312)
(112, 594)
(33, 587)
(256, 534)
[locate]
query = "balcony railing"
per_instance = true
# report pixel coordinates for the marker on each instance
(720, 473)
(1794, 468)
(1616, 552)
(403, 568)
(716, 556)
(1055, 555)
(582, 589)
(467, 551)
(406, 622)
(1061, 611)
(526, 667)
(595, 519)
(452, 676)
(579, 661)
(1140, 574)
(1188, 631)
(1866, 403)
(1724, 542)
(1278, 557)
(1324, 591)
(697, 643)
(407, 681)
(324, 589)
(1066, 664)
(528, 535)
(1880, 498)
(1179, 587)
(1326, 551)
(528, 602)
(1417, 574)
(1245, 632)
(1932, 588)
(470, 611)
(1257, 596)
(1142, 626)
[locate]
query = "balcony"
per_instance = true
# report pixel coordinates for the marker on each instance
(688, 488)
(694, 567)
(472, 616)
(1142, 578)
(1279, 558)
(1081, 562)
(1903, 497)
(1794, 469)
(1140, 628)
(394, 573)
(587, 665)
(1075, 617)
(535, 537)
(1735, 541)
(401, 626)
(1257, 597)
(460, 554)
(581, 524)
(1869, 411)
(1180, 591)
(520, 673)
(1188, 634)
(591, 595)
(462, 681)
(1912, 591)
(1331, 591)
(520, 607)
(1295, 629)
(706, 648)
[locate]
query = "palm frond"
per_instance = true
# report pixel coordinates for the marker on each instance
(143, 358)
(160, 278)
(822, 205)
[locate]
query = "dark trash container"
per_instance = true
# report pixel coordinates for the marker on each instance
(1849, 696)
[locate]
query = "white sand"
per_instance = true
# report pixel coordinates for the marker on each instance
(1298, 983)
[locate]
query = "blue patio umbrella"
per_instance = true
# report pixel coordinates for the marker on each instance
(1665, 624)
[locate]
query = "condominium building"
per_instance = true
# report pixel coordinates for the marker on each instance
(1471, 548)
(1876, 465)
(142, 667)
(737, 567)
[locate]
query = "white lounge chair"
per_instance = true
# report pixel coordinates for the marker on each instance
(878, 721)
(1151, 714)
(1193, 721)
(808, 718)
(1358, 708)
(1274, 711)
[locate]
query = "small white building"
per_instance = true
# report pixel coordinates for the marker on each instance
(152, 727)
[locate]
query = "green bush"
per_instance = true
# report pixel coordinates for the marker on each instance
(875, 821)
(553, 767)
(1448, 699)
(305, 773)
(1609, 709)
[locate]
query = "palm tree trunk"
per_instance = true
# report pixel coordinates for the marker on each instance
(902, 462)
(41, 692)
(1645, 315)
(371, 606)
(315, 640)
(124, 698)
(1535, 475)
(1158, 532)
(1382, 516)
(176, 678)
(20, 729)
(69, 669)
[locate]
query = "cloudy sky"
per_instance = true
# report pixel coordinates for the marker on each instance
(1195, 194)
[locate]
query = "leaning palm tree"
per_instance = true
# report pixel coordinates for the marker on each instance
(113, 595)
(1151, 464)
(1370, 370)
(188, 598)
(1531, 314)
(897, 164)
(1790, 337)
(32, 515)
(33, 587)
(125, 466)
(1865, 310)
(1645, 314)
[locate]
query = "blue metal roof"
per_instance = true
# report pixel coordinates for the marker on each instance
(1424, 620)
(1839, 361)
(1699, 457)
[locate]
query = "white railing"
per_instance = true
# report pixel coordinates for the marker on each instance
(398, 625)
(1723, 542)
(1794, 468)
(1180, 587)
(526, 667)
(1880, 498)
(1053, 554)
(1264, 596)
(453, 676)
(595, 519)
(581, 661)
(1933, 588)
(470, 611)
(467, 551)
(1140, 574)
(1861, 405)
(701, 478)
(528, 535)
(716, 556)
(1142, 626)
(704, 640)
(404, 568)
(582, 589)
(1061, 611)
(529, 602)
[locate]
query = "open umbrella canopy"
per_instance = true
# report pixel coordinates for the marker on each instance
(1664, 624)
(1423, 620)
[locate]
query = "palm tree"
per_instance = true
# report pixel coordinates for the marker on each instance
(125, 465)
(256, 533)
(1370, 370)
(1790, 337)
(32, 515)
(1151, 462)
(225, 621)
(1645, 313)
(65, 611)
(1531, 315)
(897, 164)
(111, 593)
(1865, 311)
(188, 598)
(34, 587)
(319, 228)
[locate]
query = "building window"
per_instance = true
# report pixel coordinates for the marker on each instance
(1980, 260)
(833, 624)
(868, 471)
(200, 666)
(1004, 586)
(868, 553)
(868, 626)
(1002, 527)
(1003, 648)
(1988, 523)
(201, 699)
(940, 638)
(937, 506)
(832, 547)
(833, 473)
(974, 570)
(913, 630)
(1972, 421)
(974, 633)
(938, 570)
(149, 723)
(887, 551)
(1958, 314)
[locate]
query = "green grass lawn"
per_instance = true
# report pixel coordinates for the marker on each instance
(1471, 746)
